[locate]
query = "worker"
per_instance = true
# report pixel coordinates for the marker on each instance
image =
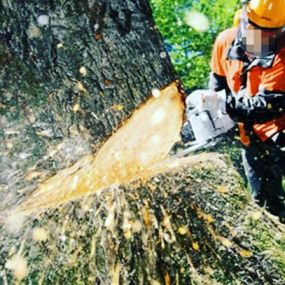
(248, 62)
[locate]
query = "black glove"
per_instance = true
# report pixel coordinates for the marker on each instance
(260, 108)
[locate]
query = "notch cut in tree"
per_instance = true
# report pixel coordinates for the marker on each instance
(71, 73)
(139, 149)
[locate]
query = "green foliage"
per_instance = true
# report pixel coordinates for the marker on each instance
(189, 49)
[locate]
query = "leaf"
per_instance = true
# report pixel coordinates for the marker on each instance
(256, 215)
(39, 234)
(209, 219)
(222, 189)
(128, 234)
(9, 145)
(167, 280)
(195, 246)
(117, 107)
(80, 87)
(245, 253)
(146, 216)
(183, 230)
(226, 242)
(83, 70)
(98, 37)
(76, 108)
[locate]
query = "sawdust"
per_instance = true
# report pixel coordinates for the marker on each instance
(139, 149)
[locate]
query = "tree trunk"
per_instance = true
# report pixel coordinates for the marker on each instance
(71, 72)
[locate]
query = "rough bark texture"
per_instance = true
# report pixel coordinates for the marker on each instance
(71, 72)
(193, 225)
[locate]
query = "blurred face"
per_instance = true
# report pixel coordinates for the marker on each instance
(259, 42)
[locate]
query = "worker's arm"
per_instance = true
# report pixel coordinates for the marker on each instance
(218, 82)
(218, 75)
(260, 108)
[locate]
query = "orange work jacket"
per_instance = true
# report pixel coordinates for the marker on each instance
(269, 78)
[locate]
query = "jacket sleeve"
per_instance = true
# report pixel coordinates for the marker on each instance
(260, 108)
(218, 82)
(217, 79)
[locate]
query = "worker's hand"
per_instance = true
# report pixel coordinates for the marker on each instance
(222, 99)
(260, 108)
(202, 100)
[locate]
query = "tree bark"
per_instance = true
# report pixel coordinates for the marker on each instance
(71, 73)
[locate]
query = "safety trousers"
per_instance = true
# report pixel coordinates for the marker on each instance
(264, 165)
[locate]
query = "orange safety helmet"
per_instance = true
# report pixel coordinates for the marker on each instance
(266, 13)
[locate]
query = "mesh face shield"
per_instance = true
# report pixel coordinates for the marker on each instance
(257, 41)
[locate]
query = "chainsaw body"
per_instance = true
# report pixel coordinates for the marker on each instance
(206, 118)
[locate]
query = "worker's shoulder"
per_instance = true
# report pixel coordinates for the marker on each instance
(227, 36)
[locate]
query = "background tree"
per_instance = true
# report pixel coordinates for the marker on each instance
(189, 48)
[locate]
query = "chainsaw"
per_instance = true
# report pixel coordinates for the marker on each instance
(206, 122)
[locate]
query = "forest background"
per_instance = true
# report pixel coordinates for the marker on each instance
(189, 46)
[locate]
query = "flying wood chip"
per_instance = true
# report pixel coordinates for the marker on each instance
(130, 153)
